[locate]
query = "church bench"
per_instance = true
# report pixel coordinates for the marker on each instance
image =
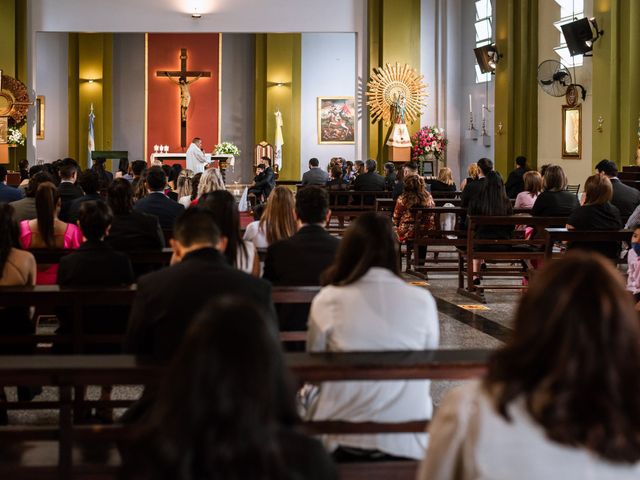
(347, 204)
(67, 372)
(142, 258)
(438, 237)
(50, 297)
(513, 250)
(555, 235)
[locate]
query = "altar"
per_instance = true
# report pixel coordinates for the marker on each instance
(173, 158)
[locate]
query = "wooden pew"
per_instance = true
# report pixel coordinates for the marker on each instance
(346, 204)
(139, 257)
(50, 297)
(66, 372)
(513, 250)
(555, 235)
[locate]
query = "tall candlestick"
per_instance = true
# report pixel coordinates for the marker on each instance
(483, 111)
(470, 106)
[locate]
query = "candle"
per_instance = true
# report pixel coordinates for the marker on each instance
(470, 107)
(483, 111)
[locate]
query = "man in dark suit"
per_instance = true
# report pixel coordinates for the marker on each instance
(408, 169)
(315, 175)
(266, 182)
(168, 300)
(472, 189)
(371, 181)
(8, 194)
(626, 198)
(515, 181)
(157, 203)
(90, 183)
(67, 188)
(301, 259)
(95, 263)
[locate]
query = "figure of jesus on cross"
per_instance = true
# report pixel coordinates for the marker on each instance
(183, 82)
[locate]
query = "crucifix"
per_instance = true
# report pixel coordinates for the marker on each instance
(183, 82)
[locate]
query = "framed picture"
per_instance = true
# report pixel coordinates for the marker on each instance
(572, 132)
(40, 117)
(336, 120)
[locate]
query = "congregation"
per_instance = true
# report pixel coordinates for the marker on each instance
(563, 386)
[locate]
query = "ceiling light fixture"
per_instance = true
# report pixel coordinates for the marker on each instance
(196, 14)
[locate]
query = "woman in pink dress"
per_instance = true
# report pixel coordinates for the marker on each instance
(47, 232)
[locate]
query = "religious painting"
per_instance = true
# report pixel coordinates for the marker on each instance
(336, 120)
(572, 132)
(40, 117)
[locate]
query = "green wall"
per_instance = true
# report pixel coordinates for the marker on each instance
(278, 61)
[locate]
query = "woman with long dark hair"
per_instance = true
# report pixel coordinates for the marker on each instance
(367, 306)
(104, 175)
(220, 415)
(46, 231)
(561, 399)
(239, 253)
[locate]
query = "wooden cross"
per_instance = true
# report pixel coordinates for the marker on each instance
(183, 82)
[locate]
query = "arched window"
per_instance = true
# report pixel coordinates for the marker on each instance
(570, 10)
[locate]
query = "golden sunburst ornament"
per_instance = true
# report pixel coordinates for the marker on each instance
(391, 83)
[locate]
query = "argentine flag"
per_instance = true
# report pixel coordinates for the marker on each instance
(90, 141)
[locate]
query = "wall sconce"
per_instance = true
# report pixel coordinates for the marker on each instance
(600, 126)
(278, 84)
(196, 14)
(500, 130)
(91, 80)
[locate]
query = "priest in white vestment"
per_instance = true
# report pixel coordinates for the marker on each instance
(196, 159)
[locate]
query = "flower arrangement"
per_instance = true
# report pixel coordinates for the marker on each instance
(428, 140)
(226, 148)
(14, 136)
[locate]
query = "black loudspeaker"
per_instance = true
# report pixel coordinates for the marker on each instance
(579, 36)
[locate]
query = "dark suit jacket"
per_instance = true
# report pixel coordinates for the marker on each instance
(74, 207)
(96, 264)
(315, 176)
(626, 198)
(169, 299)
(369, 182)
(515, 182)
(299, 260)
(161, 206)
(267, 182)
(68, 193)
(135, 231)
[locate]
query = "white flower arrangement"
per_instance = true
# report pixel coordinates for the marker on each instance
(226, 148)
(15, 137)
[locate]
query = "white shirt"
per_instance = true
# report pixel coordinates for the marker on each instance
(244, 262)
(253, 233)
(378, 312)
(469, 440)
(196, 159)
(185, 201)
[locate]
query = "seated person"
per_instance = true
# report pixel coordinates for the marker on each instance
(532, 188)
(444, 183)
(240, 423)
(67, 188)
(415, 195)
(555, 200)
(156, 202)
(311, 246)
(515, 180)
(8, 193)
(94, 264)
(389, 176)
(46, 231)
(633, 261)
(557, 392)
(210, 181)
(315, 175)
(371, 181)
(25, 208)
(263, 184)
(359, 310)
(597, 213)
(90, 183)
(277, 221)
(408, 169)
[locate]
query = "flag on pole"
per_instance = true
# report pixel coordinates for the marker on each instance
(278, 141)
(91, 144)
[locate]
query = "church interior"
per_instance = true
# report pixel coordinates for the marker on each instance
(358, 239)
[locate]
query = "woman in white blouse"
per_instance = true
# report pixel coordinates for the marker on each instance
(367, 306)
(241, 254)
(562, 399)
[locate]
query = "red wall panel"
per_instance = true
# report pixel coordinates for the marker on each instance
(163, 95)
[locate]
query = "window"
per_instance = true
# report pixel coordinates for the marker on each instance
(484, 33)
(570, 10)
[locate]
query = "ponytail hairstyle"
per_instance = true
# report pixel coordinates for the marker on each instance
(47, 199)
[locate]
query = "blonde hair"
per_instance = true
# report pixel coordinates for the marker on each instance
(183, 183)
(532, 182)
(210, 181)
(278, 219)
(445, 176)
(473, 171)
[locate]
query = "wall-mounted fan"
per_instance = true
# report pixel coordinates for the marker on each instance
(554, 78)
